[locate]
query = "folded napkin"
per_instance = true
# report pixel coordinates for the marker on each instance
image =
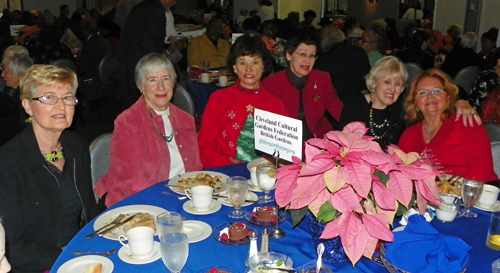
(194, 73)
(420, 248)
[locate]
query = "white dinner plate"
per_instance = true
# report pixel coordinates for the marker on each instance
(78, 264)
(250, 196)
(196, 231)
(125, 255)
(495, 207)
(180, 190)
(189, 208)
(109, 216)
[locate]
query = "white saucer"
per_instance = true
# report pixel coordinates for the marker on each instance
(495, 207)
(189, 208)
(196, 230)
(226, 85)
(125, 255)
(200, 81)
(250, 196)
(256, 189)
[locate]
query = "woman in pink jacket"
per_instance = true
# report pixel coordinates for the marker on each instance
(153, 140)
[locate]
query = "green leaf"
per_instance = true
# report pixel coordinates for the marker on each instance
(327, 213)
(402, 209)
(382, 177)
(297, 215)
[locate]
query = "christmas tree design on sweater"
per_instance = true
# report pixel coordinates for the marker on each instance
(245, 151)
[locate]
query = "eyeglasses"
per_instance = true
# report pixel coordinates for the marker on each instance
(305, 56)
(52, 100)
(434, 92)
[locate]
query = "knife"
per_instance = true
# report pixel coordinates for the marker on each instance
(116, 226)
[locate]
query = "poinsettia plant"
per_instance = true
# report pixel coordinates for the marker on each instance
(355, 188)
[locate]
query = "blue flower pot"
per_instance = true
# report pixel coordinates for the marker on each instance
(334, 251)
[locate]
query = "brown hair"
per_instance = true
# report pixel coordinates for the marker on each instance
(413, 115)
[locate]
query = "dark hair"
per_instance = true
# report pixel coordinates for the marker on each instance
(62, 7)
(349, 23)
(266, 3)
(250, 44)
(309, 13)
(308, 36)
(418, 38)
(491, 34)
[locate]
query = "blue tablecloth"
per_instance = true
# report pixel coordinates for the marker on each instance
(201, 92)
(297, 244)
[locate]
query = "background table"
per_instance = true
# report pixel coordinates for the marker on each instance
(297, 244)
(201, 92)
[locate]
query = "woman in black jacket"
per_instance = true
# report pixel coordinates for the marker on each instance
(45, 183)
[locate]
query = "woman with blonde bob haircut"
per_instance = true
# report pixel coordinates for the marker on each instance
(453, 147)
(46, 195)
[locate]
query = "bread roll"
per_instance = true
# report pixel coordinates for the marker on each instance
(93, 268)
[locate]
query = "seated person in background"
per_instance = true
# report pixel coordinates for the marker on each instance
(418, 52)
(485, 82)
(153, 140)
(209, 47)
(463, 56)
(453, 32)
(44, 202)
(449, 145)
(371, 42)
(488, 45)
(226, 134)
(4, 264)
(309, 16)
(241, 18)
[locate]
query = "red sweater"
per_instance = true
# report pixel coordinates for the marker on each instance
(456, 148)
(224, 118)
(318, 96)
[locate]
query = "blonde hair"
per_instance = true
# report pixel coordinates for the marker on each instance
(46, 75)
(387, 65)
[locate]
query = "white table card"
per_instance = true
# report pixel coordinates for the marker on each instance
(277, 134)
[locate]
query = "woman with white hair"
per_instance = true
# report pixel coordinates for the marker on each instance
(464, 56)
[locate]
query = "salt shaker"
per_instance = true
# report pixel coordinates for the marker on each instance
(253, 246)
(264, 245)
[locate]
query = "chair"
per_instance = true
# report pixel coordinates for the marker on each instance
(99, 158)
(493, 130)
(466, 77)
(414, 70)
(495, 151)
(183, 100)
(108, 68)
(65, 63)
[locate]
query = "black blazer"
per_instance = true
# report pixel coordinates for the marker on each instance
(30, 202)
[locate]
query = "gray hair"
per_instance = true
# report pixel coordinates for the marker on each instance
(469, 40)
(15, 49)
(18, 63)
(153, 61)
(330, 36)
(389, 64)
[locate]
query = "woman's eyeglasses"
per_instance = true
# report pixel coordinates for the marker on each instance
(424, 93)
(52, 100)
(305, 56)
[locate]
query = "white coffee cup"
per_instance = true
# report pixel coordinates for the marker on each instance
(489, 196)
(201, 196)
(222, 80)
(253, 177)
(205, 77)
(140, 241)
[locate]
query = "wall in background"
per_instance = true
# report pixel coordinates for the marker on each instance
(489, 16)
(449, 12)
(51, 5)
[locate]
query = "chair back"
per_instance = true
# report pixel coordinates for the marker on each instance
(65, 63)
(495, 151)
(493, 130)
(108, 69)
(183, 100)
(414, 70)
(99, 158)
(466, 77)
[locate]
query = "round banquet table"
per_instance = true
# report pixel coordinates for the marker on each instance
(297, 243)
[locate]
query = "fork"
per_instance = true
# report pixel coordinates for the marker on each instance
(114, 222)
(178, 197)
(105, 254)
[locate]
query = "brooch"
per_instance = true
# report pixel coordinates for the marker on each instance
(315, 85)
(316, 97)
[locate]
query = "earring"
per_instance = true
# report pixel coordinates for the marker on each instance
(30, 119)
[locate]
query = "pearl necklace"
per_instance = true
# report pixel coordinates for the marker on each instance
(378, 126)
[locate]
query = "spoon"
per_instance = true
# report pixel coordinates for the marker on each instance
(106, 254)
(320, 250)
(178, 197)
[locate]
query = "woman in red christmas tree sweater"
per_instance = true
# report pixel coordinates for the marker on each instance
(226, 135)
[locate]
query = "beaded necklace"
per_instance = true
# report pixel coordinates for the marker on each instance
(166, 138)
(374, 125)
(53, 156)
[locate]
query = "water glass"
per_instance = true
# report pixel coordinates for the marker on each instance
(493, 239)
(471, 192)
(495, 266)
(174, 250)
(237, 191)
(206, 66)
(265, 178)
(311, 268)
(168, 222)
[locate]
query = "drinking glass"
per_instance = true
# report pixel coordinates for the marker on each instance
(471, 192)
(206, 66)
(265, 178)
(237, 190)
(174, 250)
(168, 222)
